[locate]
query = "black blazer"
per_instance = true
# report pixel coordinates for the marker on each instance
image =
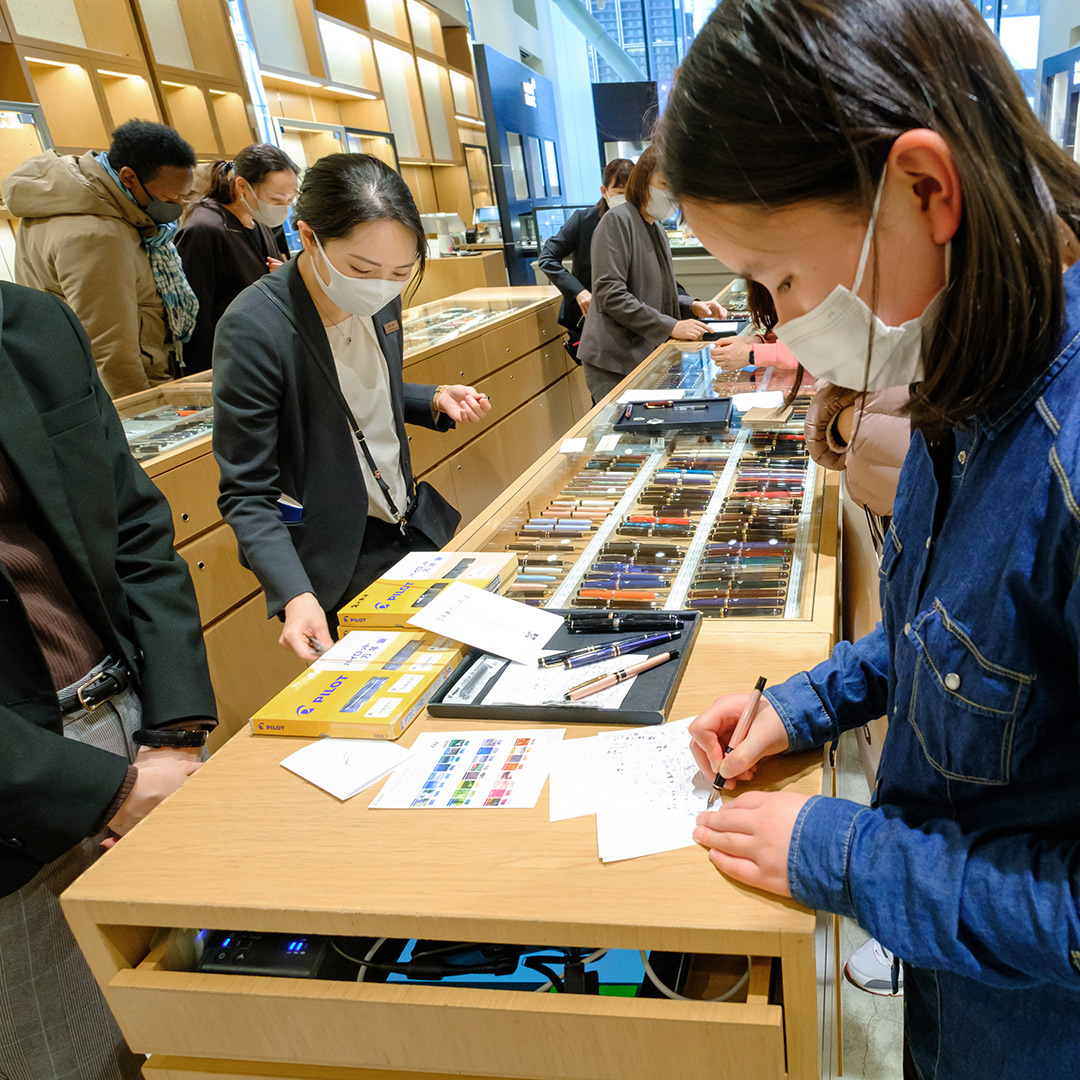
(574, 239)
(111, 532)
(279, 428)
(220, 261)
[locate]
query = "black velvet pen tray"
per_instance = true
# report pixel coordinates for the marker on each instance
(683, 416)
(647, 702)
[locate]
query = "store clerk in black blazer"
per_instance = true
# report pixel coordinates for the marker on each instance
(280, 428)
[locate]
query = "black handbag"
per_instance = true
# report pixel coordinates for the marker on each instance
(429, 521)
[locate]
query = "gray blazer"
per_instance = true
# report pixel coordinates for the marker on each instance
(279, 428)
(636, 299)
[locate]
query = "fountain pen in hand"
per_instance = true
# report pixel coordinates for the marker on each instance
(737, 736)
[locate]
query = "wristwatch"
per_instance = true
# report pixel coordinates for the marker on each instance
(158, 739)
(750, 358)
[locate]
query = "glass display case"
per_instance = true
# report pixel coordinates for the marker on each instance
(729, 524)
(443, 321)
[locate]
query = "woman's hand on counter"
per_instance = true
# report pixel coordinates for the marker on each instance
(306, 632)
(584, 299)
(689, 330)
(733, 353)
(709, 309)
(749, 838)
(463, 404)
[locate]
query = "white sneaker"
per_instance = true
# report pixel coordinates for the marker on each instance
(870, 968)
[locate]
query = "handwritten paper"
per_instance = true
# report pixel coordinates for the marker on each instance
(344, 767)
(489, 622)
(607, 443)
(469, 769)
(527, 684)
(648, 791)
(635, 396)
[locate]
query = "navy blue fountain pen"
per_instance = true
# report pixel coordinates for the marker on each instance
(594, 654)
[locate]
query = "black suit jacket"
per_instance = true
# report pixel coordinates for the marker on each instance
(573, 239)
(220, 261)
(111, 532)
(279, 428)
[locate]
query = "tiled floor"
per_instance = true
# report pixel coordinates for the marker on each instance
(873, 1025)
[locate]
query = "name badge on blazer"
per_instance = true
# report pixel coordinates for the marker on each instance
(391, 327)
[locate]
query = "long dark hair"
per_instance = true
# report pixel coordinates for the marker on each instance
(814, 94)
(616, 173)
(254, 163)
(341, 191)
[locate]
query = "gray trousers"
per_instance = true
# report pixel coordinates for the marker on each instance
(54, 1023)
(601, 382)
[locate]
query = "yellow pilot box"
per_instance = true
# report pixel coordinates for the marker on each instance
(418, 578)
(369, 685)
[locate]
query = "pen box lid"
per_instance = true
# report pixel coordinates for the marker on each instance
(648, 700)
(681, 416)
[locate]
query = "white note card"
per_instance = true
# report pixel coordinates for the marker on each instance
(489, 622)
(573, 446)
(757, 399)
(629, 396)
(608, 443)
(649, 791)
(344, 767)
(572, 783)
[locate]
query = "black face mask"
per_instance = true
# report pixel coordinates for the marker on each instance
(159, 211)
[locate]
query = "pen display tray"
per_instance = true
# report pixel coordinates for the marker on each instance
(686, 416)
(647, 701)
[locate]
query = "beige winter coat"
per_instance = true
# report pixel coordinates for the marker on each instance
(80, 239)
(879, 441)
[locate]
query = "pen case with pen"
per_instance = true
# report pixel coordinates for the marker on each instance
(472, 692)
(688, 416)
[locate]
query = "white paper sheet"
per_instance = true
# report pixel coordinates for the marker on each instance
(572, 783)
(573, 446)
(462, 769)
(629, 396)
(489, 622)
(648, 791)
(757, 399)
(608, 443)
(527, 684)
(344, 767)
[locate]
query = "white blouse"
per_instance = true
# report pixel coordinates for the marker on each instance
(365, 382)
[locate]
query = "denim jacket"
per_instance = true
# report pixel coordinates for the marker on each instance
(967, 863)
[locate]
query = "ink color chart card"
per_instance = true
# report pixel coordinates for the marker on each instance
(470, 769)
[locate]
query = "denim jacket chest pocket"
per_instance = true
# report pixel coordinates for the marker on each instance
(890, 554)
(964, 706)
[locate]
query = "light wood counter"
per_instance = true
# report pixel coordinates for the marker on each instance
(451, 274)
(245, 845)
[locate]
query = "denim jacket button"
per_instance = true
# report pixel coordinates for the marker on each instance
(962, 457)
(952, 681)
(907, 629)
(929, 541)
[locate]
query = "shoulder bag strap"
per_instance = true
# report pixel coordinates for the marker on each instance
(336, 389)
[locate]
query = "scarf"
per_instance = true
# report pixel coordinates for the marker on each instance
(181, 304)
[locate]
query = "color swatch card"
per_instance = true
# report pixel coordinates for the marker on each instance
(489, 622)
(649, 791)
(345, 766)
(468, 769)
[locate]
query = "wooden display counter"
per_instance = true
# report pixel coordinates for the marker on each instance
(246, 846)
(452, 274)
(507, 342)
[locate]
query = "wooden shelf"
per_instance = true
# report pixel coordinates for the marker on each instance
(427, 34)
(128, 96)
(389, 17)
(350, 59)
(107, 27)
(188, 109)
(234, 126)
(439, 110)
(404, 101)
(67, 95)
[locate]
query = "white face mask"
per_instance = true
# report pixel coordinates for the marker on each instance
(661, 204)
(358, 296)
(269, 214)
(830, 340)
(614, 200)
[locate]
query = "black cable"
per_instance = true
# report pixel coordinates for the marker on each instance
(535, 963)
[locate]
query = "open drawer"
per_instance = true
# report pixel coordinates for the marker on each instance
(357, 1027)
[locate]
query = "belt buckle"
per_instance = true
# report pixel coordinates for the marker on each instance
(90, 705)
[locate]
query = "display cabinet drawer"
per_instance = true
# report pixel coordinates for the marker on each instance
(443, 1030)
(220, 580)
(192, 490)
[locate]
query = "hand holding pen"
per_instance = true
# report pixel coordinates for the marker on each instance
(712, 731)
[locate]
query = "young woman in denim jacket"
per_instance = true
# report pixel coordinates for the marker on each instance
(893, 186)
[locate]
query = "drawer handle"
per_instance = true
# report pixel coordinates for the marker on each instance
(183, 517)
(201, 565)
(461, 374)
